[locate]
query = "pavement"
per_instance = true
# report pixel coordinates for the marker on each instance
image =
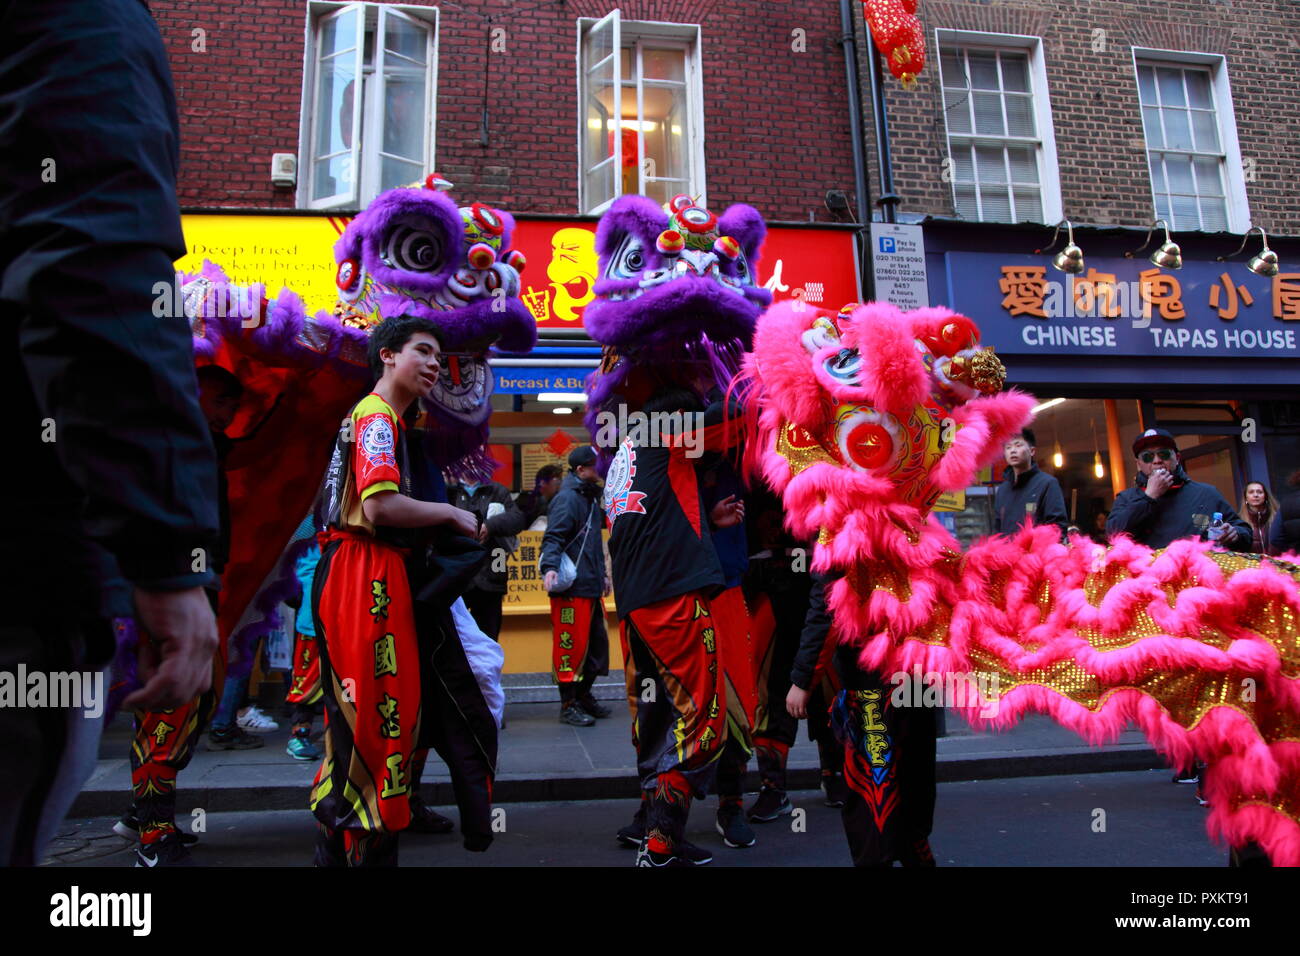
(1131, 819)
(542, 760)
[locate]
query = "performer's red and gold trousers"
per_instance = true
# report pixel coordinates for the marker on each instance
(683, 716)
(733, 625)
(163, 745)
(304, 686)
(579, 644)
(370, 678)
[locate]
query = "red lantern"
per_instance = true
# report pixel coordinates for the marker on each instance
(898, 36)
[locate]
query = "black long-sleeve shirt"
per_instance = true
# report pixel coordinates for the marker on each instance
(89, 227)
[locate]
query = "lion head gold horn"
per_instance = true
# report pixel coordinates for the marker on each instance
(982, 371)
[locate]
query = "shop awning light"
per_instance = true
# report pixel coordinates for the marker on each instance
(1069, 259)
(578, 397)
(1168, 256)
(562, 410)
(1051, 402)
(1263, 264)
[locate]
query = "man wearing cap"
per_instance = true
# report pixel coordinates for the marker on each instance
(580, 648)
(1165, 504)
(1026, 494)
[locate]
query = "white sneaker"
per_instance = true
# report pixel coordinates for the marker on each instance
(255, 722)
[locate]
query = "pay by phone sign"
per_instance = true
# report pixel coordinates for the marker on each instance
(898, 264)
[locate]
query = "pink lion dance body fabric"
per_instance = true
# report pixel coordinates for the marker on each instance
(864, 418)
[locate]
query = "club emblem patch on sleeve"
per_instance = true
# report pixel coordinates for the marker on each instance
(619, 497)
(377, 442)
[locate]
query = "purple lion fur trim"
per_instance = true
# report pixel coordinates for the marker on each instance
(745, 224)
(514, 323)
(280, 585)
(430, 208)
(627, 214)
(276, 335)
(478, 465)
(124, 677)
(457, 446)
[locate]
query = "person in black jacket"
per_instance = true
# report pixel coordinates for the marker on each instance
(1284, 534)
(1165, 504)
(111, 465)
(1026, 494)
(499, 521)
(535, 503)
(580, 648)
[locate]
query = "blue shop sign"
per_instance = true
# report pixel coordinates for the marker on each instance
(523, 380)
(1126, 307)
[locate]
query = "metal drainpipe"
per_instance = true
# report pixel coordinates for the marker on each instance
(888, 198)
(862, 190)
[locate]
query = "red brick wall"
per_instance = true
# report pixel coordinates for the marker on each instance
(776, 120)
(1100, 146)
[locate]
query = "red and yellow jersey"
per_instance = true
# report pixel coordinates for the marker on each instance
(366, 461)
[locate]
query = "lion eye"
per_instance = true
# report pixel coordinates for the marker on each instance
(413, 250)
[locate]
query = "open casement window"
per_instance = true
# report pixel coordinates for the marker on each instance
(1002, 157)
(370, 121)
(639, 115)
(1184, 145)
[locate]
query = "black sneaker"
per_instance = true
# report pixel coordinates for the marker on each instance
(736, 833)
(593, 707)
(575, 716)
(425, 820)
(660, 861)
(128, 828)
(233, 738)
(688, 852)
(835, 790)
(771, 804)
(169, 851)
(631, 835)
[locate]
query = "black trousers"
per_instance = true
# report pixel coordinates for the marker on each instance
(485, 608)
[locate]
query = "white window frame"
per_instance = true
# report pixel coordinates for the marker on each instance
(1234, 176)
(365, 131)
(690, 38)
(1049, 179)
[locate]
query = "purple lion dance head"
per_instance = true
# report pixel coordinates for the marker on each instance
(413, 252)
(677, 301)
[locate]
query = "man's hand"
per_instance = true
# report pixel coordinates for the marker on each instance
(461, 521)
(482, 533)
(796, 702)
(727, 513)
(1159, 483)
(609, 586)
(549, 579)
(178, 637)
(1229, 535)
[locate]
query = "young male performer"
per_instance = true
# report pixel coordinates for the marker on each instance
(365, 619)
(665, 575)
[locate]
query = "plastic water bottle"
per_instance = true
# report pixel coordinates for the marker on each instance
(1215, 530)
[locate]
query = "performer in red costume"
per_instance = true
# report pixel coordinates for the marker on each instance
(365, 619)
(665, 574)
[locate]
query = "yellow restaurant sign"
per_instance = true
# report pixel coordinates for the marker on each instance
(293, 252)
